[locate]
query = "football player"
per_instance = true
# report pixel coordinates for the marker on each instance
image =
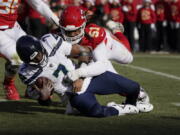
(47, 58)
(10, 31)
(105, 45)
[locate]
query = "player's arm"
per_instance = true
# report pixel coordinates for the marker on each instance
(91, 70)
(45, 88)
(78, 50)
(44, 10)
(38, 90)
(41, 91)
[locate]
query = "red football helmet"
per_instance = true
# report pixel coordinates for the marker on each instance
(72, 19)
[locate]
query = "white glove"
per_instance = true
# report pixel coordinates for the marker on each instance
(125, 9)
(105, 17)
(74, 75)
(136, 33)
(177, 25)
(153, 7)
(164, 24)
(153, 27)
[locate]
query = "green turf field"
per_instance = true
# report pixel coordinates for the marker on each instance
(26, 117)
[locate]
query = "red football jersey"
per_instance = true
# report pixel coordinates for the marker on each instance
(94, 35)
(8, 13)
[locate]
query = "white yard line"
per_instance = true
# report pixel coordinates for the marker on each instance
(176, 104)
(154, 72)
(156, 56)
(3, 100)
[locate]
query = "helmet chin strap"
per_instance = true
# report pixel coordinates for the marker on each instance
(76, 39)
(42, 63)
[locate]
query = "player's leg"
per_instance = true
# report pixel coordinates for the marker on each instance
(110, 83)
(87, 104)
(120, 53)
(100, 53)
(8, 50)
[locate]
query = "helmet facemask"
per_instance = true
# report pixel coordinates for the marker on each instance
(73, 39)
(34, 60)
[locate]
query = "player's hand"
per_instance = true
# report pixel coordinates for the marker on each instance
(77, 85)
(73, 75)
(46, 89)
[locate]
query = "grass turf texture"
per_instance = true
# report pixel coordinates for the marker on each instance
(26, 117)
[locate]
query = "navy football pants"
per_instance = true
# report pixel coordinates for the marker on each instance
(104, 84)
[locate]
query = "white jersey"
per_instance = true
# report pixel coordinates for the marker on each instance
(57, 66)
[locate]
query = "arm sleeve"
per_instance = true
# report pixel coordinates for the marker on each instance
(44, 10)
(93, 69)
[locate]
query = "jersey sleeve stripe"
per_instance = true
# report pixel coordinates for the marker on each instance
(30, 80)
(53, 52)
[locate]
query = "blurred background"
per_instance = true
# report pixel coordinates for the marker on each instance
(152, 26)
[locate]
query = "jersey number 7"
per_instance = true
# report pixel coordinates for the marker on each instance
(60, 68)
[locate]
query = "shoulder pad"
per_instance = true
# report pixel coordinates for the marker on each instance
(49, 41)
(95, 33)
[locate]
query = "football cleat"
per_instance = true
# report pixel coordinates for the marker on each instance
(143, 102)
(11, 91)
(124, 109)
(147, 107)
(143, 97)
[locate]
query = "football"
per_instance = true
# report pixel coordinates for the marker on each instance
(39, 82)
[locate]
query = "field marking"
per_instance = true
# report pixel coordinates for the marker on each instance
(154, 72)
(152, 56)
(176, 104)
(3, 100)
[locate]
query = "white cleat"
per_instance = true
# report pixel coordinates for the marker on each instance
(143, 102)
(124, 109)
(143, 97)
(144, 107)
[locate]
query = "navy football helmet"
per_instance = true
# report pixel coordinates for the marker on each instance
(28, 47)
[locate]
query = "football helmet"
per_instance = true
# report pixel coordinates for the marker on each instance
(28, 47)
(72, 19)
